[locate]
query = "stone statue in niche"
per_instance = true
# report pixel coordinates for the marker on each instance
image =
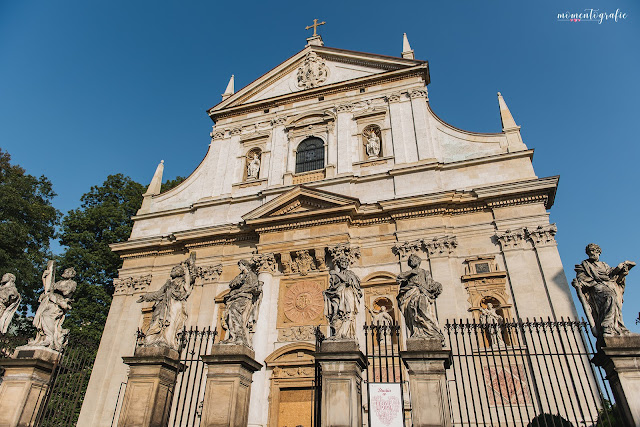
(341, 299)
(170, 306)
(242, 305)
(493, 322)
(600, 289)
(55, 301)
(381, 317)
(9, 301)
(416, 299)
(372, 141)
(253, 166)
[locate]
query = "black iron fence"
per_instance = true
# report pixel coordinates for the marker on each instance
(526, 373)
(188, 394)
(64, 395)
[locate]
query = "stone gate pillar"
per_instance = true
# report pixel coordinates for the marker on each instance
(342, 363)
(426, 361)
(230, 368)
(620, 358)
(152, 378)
(24, 385)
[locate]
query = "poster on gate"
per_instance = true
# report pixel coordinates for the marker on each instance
(385, 405)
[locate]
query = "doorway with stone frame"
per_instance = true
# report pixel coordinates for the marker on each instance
(292, 392)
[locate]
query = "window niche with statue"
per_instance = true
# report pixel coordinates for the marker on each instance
(374, 136)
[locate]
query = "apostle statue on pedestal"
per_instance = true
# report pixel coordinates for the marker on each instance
(600, 289)
(242, 305)
(9, 301)
(342, 298)
(416, 299)
(170, 306)
(55, 301)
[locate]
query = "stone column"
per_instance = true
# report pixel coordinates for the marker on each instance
(342, 363)
(426, 361)
(228, 390)
(25, 384)
(620, 358)
(149, 393)
(266, 266)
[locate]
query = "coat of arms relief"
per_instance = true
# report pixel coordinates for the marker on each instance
(313, 72)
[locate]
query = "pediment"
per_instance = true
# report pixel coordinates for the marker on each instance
(313, 67)
(301, 200)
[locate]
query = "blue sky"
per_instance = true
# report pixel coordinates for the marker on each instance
(91, 88)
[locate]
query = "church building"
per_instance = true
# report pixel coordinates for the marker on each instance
(334, 149)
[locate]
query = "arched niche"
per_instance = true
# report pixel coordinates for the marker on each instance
(380, 287)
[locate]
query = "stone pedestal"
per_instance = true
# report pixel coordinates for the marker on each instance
(620, 358)
(24, 385)
(342, 363)
(426, 361)
(228, 390)
(149, 393)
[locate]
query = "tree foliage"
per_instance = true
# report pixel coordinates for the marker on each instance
(170, 183)
(104, 217)
(27, 223)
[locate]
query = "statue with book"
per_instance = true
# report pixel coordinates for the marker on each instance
(600, 289)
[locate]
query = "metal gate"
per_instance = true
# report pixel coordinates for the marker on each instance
(188, 394)
(526, 373)
(63, 398)
(384, 365)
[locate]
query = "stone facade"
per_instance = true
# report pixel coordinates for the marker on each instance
(469, 204)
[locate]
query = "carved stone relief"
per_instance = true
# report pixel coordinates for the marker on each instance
(512, 239)
(434, 247)
(313, 72)
(209, 273)
(301, 302)
(129, 285)
(265, 263)
(303, 263)
(543, 235)
(297, 333)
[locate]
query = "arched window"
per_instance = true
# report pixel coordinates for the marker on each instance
(310, 155)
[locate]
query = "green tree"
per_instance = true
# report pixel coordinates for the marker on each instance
(170, 183)
(104, 217)
(27, 223)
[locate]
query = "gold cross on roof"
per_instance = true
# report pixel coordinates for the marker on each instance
(315, 26)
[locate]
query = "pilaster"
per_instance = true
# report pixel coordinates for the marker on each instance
(266, 267)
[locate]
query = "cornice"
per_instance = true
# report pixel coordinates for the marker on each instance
(445, 203)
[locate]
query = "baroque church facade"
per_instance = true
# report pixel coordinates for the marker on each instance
(335, 147)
